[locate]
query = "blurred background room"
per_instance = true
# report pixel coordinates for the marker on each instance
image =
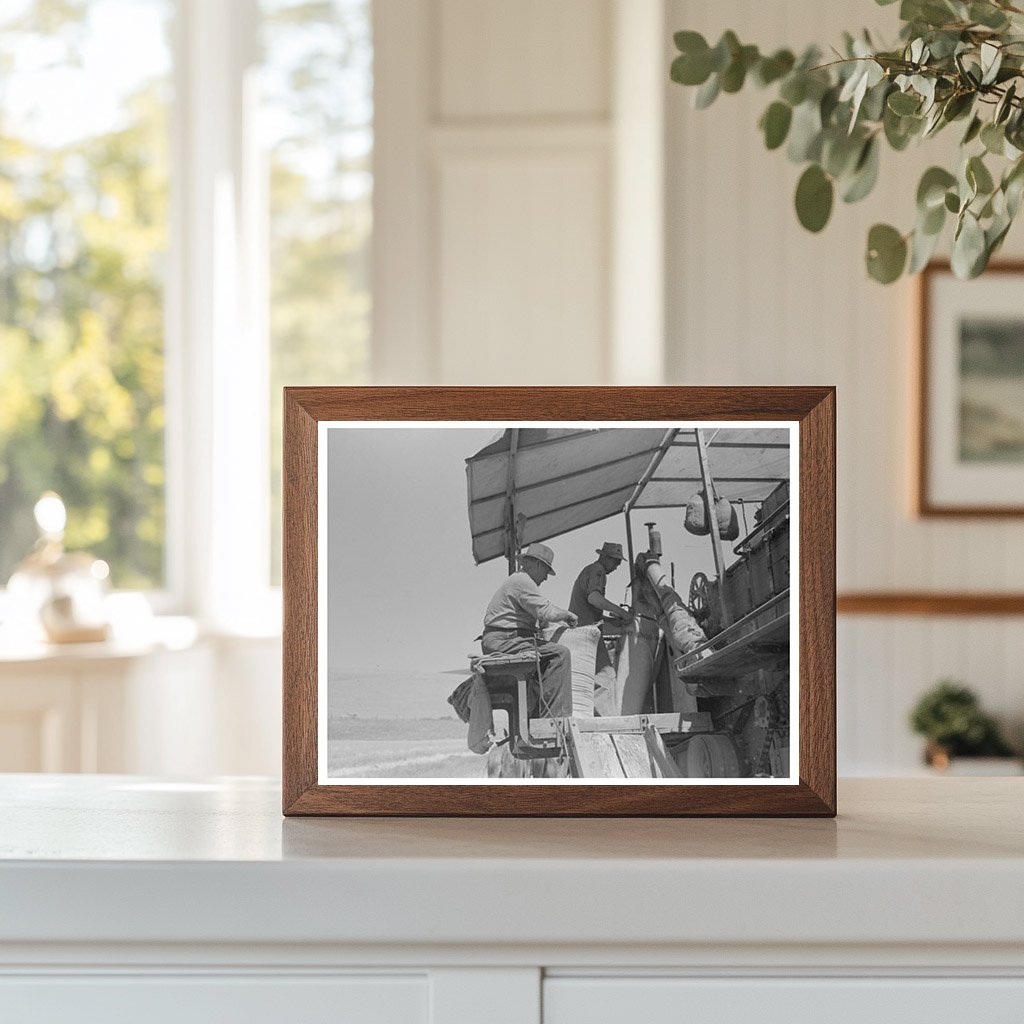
(202, 201)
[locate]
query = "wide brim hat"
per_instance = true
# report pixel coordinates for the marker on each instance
(612, 550)
(542, 553)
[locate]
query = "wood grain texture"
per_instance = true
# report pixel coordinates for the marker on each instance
(816, 600)
(813, 407)
(923, 504)
(299, 596)
(925, 603)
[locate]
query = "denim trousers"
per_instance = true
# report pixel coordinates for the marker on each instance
(556, 673)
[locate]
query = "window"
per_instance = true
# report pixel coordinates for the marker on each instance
(185, 222)
(317, 116)
(83, 236)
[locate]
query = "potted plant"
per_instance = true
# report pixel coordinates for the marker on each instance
(956, 62)
(950, 717)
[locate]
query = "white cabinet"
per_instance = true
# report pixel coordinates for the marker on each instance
(824, 1000)
(131, 899)
(202, 999)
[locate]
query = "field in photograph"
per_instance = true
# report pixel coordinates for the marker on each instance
(397, 725)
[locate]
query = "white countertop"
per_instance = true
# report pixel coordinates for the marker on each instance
(122, 859)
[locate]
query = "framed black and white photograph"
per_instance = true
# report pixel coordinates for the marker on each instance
(496, 607)
(970, 452)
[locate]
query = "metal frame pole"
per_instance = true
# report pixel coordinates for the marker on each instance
(716, 536)
(511, 538)
(666, 443)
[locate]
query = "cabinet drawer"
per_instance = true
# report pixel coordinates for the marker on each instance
(202, 999)
(570, 1000)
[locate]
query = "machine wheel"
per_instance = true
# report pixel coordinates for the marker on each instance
(710, 756)
(700, 607)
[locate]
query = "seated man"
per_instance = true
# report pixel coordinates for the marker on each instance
(589, 605)
(513, 618)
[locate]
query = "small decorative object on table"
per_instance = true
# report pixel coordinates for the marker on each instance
(54, 593)
(950, 716)
(666, 676)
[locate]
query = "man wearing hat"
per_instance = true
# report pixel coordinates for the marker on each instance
(589, 604)
(516, 613)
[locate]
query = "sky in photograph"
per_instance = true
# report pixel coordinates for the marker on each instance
(404, 592)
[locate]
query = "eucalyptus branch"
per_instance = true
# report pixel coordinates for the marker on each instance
(952, 62)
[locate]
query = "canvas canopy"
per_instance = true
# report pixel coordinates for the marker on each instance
(550, 481)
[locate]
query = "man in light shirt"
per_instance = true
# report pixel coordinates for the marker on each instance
(514, 618)
(589, 605)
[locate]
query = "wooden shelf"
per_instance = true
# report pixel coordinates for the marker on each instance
(929, 603)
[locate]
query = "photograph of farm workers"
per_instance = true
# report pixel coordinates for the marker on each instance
(658, 649)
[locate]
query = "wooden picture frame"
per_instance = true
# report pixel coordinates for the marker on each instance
(310, 414)
(954, 476)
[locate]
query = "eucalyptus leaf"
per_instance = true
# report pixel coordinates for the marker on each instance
(931, 190)
(735, 74)
(922, 248)
(991, 60)
(1013, 187)
(930, 12)
(814, 195)
(958, 105)
(886, 253)
(944, 44)
(1005, 104)
(904, 103)
(828, 105)
(933, 122)
(865, 173)
(987, 15)
(794, 88)
(805, 133)
(968, 247)
(771, 69)
(724, 51)
(854, 91)
(775, 124)
(925, 88)
(840, 152)
(995, 233)
(952, 202)
(993, 138)
(900, 130)
(707, 93)
(1014, 191)
(973, 129)
(873, 106)
(932, 221)
(978, 176)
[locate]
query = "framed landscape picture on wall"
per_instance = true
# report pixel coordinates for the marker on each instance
(970, 450)
(581, 601)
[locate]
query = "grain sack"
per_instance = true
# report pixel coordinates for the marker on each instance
(635, 673)
(481, 718)
(695, 518)
(606, 692)
(581, 643)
